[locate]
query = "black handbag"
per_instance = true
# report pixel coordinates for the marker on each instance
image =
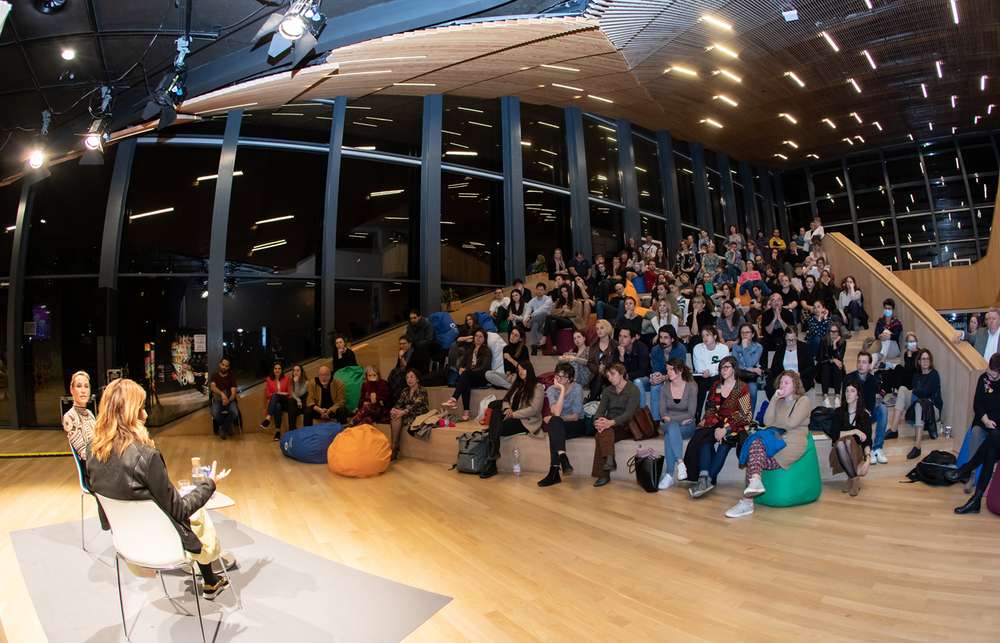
(648, 467)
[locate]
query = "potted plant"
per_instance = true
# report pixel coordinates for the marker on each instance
(450, 301)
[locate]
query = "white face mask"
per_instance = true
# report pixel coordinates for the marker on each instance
(887, 312)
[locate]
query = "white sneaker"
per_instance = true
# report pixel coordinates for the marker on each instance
(881, 457)
(666, 481)
(682, 472)
(826, 403)
(742, 508)
(755, 488)
(836, 402)
(872, 459)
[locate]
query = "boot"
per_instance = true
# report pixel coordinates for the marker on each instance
(848, 484)
(609, 463)
(855, 486)
(567, 468)
(394, 452)
(494, 451)
(552, 478)
(971, 507)
(491, 469)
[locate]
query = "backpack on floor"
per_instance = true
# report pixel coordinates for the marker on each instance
(932, 468)
(472, 451)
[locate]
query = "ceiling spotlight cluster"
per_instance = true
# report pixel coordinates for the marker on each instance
(171, 91)
(296, 29)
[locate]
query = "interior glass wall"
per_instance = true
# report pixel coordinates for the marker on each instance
(392, 124)
(472, 240)
(546, 225)
(472, 133)
(603, 169)
(543, 147)
(606, 229)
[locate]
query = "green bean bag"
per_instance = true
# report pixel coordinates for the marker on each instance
(352, 377)
(799, 484)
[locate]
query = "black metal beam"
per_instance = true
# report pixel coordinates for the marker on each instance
(329, 248)
(749, 200)
(701, 198)
(629, 183)
(579, 205)
(671, 193)
(728, 195)
(430, 205)
(15, 305)
(513, 189)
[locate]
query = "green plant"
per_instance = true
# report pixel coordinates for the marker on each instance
(448, 295)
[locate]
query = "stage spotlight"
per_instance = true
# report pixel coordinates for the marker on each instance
(50, 6)
(297, 29)
(171, 91)
(97, 135)
(37, 158)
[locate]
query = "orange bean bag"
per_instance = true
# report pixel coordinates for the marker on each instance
(359, 452)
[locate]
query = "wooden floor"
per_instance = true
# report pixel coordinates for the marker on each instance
(575, 563)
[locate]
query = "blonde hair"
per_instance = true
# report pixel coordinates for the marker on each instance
(372, 369)
(72, 378)
(606, 325)
(118, 424)
(797, 389)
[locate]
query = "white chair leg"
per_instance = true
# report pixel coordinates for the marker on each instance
(194, 588)
(162, 582)
(121, 603)
(83, 539)
(239, 601)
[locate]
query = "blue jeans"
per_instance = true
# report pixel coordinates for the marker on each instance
(753, 398)
(814, 344)
(712, 464)
(225, 424)
(654, 401)
(603, 310)
(880, 416)
(673, 442)
(275, 406)
(654, 405)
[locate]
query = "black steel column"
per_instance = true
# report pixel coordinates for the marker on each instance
(671, 194)
(329, 247)
(968, 191)
(632, 228)
(749, 200)
(430, 205)
(768, 198)
(15, 305)
(701, 199)
(579, 205)
(811, 187)
(220, 230)
(728, 195)
(930, 201)
(779, 197)
(513, 189)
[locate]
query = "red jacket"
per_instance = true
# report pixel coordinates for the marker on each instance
(271, 387)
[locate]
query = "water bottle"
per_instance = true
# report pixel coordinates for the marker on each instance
(197, 472)
(517, 461)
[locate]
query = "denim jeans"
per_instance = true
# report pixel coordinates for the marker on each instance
(654, 401)
(275, 406)
(225, 424)
(713, 464)
(753, 398)
(674, 435)
(643, 384)
(880, 416)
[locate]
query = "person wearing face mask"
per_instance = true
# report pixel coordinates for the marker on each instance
(887, 332)
(903, 373)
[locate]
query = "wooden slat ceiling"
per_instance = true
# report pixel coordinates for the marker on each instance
(621, 49)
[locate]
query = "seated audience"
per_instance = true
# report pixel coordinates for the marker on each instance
(986, 408)
(457, 349)
(536, 313)
(579, 267)
(667, 347)
(735, 238)
(789, 296)
(578, 358)
(471, 373)
(830, 293)
(706, 357)
(870, 383)
(697, 319)
(326, 400)
(773, 323)
(701, 290)
(520, 411)
(728, 324)
(515, 352)
(792, 355)
(376, 400)
(614, 307)
(409, 357)
(584, 294)
(299, 392)
(565, 313)
(902, 374)
(223, 387)
(498, 307)
(630, 319)
(557, 282)
(421, 333)
(601, 355)
(619, 402)
(851, 433)
(817, 326)
(758, 304)
(751, 277)
(540, 266)
(662, 318)
(342, 355)
(723, 428)
(887, 331)
(852, 304)
(557, 265)
(811, 293)
(78, 422)
(678, 399)
(411, 402)
(687, 262)
(565, 421)
(788, 413)
(516, 310)
(748, 353)
(776, 241)
(277, 387)
(921, 402)
(709, 263)
(634, 356)
(830, 364)
(986, 341)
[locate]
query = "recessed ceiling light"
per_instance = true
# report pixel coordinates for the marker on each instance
(412, 84)
(792, 143)
(782, 156)
(868, 3)
(603, 100)
(829, 122)
(858, 118)
(939, 72)
(923, 88)
(878, 126)
(726, 51)
(860, 139)
(558, 67)
(830, 40)
(731, 75)
(931, 126)
(682, 70)
(953, 98)
(853, 82)
(575, 89)
(792, 75)
(871, 61)
(790, 15)
(982, 83)
(68, 54)
(717, 22)
(711, 122)
(812, 156)
(849, 141)
(726, 99)
(788, 116)
(954, 10)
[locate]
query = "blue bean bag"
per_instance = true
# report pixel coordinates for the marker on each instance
(352, 377)
(799, 484)
(483, 319)
(444, 328)
(640, 285)
(310, 443)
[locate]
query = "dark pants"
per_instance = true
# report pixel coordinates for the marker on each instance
(466, 381)
(552, 326)
(559, 432)
(705, 385)
(275, 406)
(294, 412)
(830, 377)
(225, 423)
(499, 426)
(340, 413)
(986, 455)
(604, 445)
(597, 386)
(713, 463)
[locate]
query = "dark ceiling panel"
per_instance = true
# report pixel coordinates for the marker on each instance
(29, 23)
(114, 15)
(15, 73)
(22, 109)
(45, 58)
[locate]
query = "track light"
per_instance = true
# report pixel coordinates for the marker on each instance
(37, 158)
(297, 29)
(97, 135)
(171, 91)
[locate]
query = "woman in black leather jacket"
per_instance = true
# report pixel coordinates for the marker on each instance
(124, 464)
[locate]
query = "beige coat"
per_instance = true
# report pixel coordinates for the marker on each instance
(531, 415)
(794, 419)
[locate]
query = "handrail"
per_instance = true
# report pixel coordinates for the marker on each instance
(959, 365)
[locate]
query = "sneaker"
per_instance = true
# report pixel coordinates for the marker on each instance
(881, 457)
(209, 592)
(836, 402)
(266, 423)
(872, 459)
(682, 472)
(891, 435)
(704, 486)
(277, 435)
(755, 488)
(666, 482)
(742, 508)
(826, 403)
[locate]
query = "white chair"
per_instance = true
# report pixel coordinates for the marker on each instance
(145, 537)
(80, 468)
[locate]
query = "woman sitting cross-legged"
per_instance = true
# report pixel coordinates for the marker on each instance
(619, 402)
(921, 403)
(830, 363)
(727, 416)
(565, 422)
(851, 433)
(513, 353)
(520, 411)
(411, 403)
(376, 399)
(788, 414)
(471, 372)
(678, 398)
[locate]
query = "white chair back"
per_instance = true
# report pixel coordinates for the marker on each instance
(79, 471)
(143, 534)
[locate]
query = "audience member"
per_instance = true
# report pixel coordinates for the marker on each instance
(498, 307)
(751, 277)
(793, 256)
(326, 400)
(663, 317)
(789, 296)
(986, 409)
(776, 241)
(985, 340)
(515, 352)
(376, 400)
(709, 263)
(703, 240)
(564, 422)
(471, 373)
(887, 331)
(698, 319)
(584, 294)
(728, 324)
(630, 319)
(619, 402)
(721, 277)
(78, 422)
(277, 387)
(634, 355)
(667, 347)
(774, 322)
(299, 392)
(869, 384)
(678, 398)
(687, 262)
(851, 434)
(516, 311)
(852, 304)
(601, 355)
(811, 293)
(409, 357)
(758, 302)
(902, 374)
(578, 266)
(748, 353)
(520, 411)
(614, 307)
(421, 333)
(723, 427)
(792, 355)
(701, 291)
(537, 312)
(921, 403)
(411, 402)
(735, 237)
(565, 313)
(578, 358)
(970, 331)
(649, 247)
(457, 349)
(557, 265)
(830, 364)
(342, 355)
(734, 259)
(223, 387)
(817, 326)
(540, 266)
(705, 358)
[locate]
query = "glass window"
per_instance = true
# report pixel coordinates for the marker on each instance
(276, 213)
(919, 229)
(793, 182)
(169, 210)
(366, 307)
(829, 182)
(472, 134)
(955, 225)
(10, 199)
(911, 199)
(266, 321)
(921, 254)
(741, 211)
(657, 228)
(866, 176)
(984, 189)
(685, 189)
(984, 221)
(886, 257)
(378, 219)
(606, 229)
(156, 329)
(964, 250)
(472, 249)
(64, 342)
(949, 194)
(547, 225)
(603, 172)
(905, 169)
(833, 209)
(876, 234)
(4, 385)
(943, 163)
(984, 246)
(67, 218)
(979, 159)
(647, 174)
(799, 216)
(871, 204)
(543, 147)
(845, 228)
(715, 199)
(385, 123)
(300, 120)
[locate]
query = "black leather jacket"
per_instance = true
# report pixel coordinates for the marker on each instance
(139, 473)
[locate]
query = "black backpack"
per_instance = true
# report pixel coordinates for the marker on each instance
(472, 451)
(932, 468)
(821, 419)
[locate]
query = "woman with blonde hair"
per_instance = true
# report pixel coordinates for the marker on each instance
(124, 464)
(376, 399)
(78, 422)
(601, 354)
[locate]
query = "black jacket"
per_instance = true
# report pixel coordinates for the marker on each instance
(140, 474)
(807, 367)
